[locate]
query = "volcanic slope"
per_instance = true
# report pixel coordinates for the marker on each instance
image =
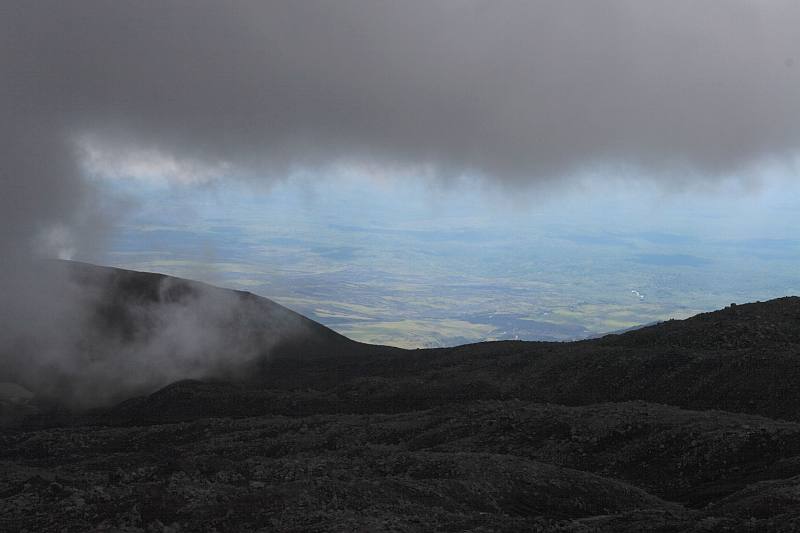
(689, 425)
(121, 293)
(127, 333)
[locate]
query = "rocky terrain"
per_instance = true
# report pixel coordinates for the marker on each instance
(689, 425)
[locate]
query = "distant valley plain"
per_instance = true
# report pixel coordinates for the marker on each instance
(405, 272)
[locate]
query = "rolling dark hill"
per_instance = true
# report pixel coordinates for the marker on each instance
(744, 358)
(688, 425)
(123, 293)
(119, 333)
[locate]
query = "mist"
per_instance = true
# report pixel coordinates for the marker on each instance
(127, 333)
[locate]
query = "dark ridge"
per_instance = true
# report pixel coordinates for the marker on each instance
(122, 289)
(744, 358)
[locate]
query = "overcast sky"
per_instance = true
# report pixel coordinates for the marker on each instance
(520, 93)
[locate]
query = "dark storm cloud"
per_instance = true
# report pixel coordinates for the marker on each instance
(519, 92)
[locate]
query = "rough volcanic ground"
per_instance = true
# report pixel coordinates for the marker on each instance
(682, 426)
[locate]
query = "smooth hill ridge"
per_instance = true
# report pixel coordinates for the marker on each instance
(123, 289)
(127, 333)
(744, 358)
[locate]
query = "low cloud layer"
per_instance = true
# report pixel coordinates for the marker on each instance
(512, 91)
(517, 92)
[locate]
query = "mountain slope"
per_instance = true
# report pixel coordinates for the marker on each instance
(743, 359)
(116, 333)
(123, 292)
(672, 427)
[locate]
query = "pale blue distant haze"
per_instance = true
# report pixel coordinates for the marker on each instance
(402, 261)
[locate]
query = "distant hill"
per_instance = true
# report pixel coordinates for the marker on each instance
(744, 358)
(123, 293)
(122, 333)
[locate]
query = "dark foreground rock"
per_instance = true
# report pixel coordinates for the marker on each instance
(491, 466)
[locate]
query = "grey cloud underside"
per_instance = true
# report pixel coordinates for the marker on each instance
(512, 90)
